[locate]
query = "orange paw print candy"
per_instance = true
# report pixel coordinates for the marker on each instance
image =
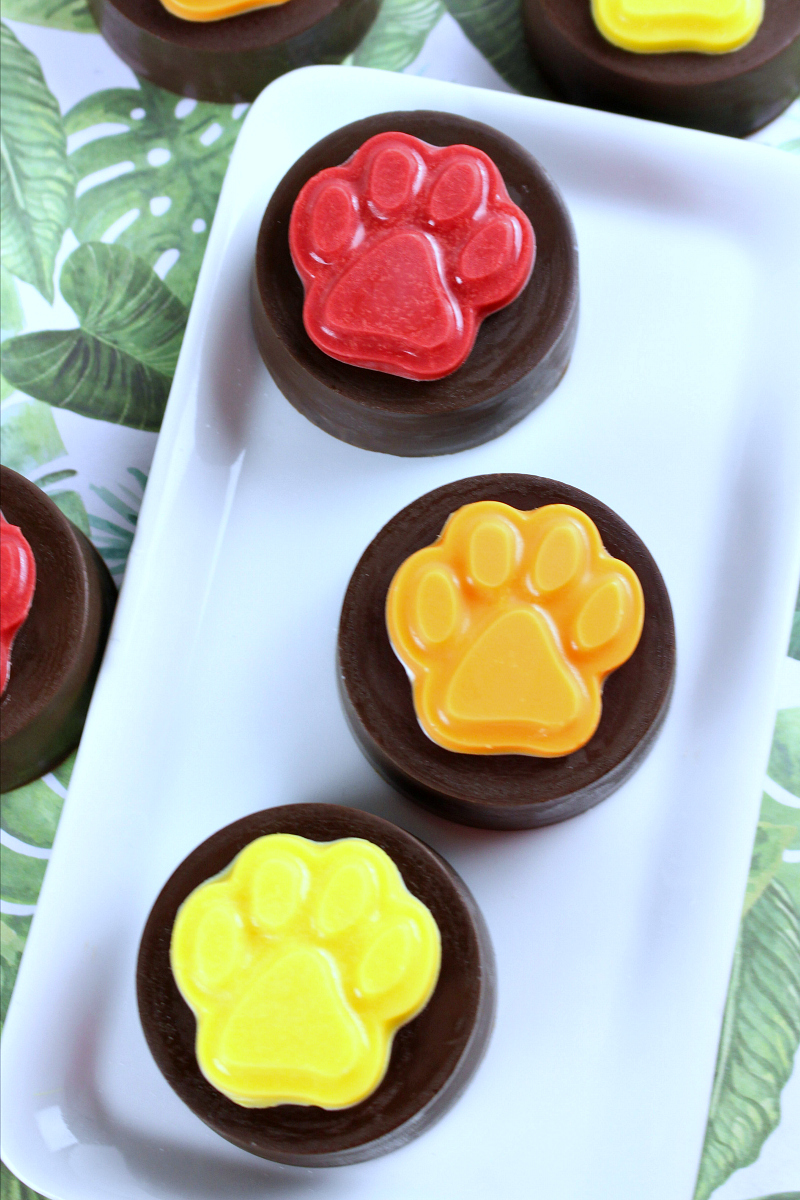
(508, 626)
(215, 10)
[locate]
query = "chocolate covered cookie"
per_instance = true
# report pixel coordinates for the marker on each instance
(230, 60)
(58, 647)
(497, 754)
(733, 92)
(331, 887)
(520, 352)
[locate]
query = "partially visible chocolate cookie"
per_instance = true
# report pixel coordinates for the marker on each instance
(58, 650)
(433, 1057)
(519, 356)
(498, 791)
(231, 60)
(733, 93)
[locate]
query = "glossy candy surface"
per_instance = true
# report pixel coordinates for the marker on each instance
(17, 584)
(659, 26)
(403, 250)
(508, 626)
(214, 10)
(300, 962)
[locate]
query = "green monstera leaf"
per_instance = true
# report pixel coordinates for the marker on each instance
(398, 34)
(495, 28)
(118, 365)
(169, 157)
(760, 1035)
(58, 14)
(36, 179)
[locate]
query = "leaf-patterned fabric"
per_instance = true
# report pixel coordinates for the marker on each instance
(109, 187)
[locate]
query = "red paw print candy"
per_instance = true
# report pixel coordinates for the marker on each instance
(17, 583)
(403, 250)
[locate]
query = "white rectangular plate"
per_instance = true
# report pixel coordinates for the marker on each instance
(614, 932)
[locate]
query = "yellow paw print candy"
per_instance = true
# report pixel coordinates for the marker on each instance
(300, 962)
(658, 26)
(214, 10)
(508, 626)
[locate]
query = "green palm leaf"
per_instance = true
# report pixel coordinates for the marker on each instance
(36, 179)
(31, 813)
(12, 1189)
(495, 28)
(760, 1035)
(784, 759)
(169, 155)
(118, 365)
(28, 435)
(398, 34)
(11, 316)
(20, 876)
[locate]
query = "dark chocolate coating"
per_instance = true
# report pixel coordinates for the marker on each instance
(433, 1057)
(519, 356)
(232, 60)
(57, 652)
(734, 93)
(498, 791)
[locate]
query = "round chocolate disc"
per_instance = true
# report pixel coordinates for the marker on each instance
(520, 353)
(57, 652)
(231, 60)
(498, 791)
(433, 1057)
(733, 93)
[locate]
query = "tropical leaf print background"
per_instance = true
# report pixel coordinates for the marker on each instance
(106, 206)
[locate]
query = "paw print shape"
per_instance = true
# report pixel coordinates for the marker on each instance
(300, 962)
(660, 26)
(508, 625)
(403, 250)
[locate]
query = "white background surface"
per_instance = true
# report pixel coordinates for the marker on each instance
(614, 932)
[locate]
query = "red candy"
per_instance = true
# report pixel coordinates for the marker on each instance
(403, 250)
(17, 582)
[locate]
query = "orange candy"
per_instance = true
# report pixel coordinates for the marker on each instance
(214, 10)
(508, 626)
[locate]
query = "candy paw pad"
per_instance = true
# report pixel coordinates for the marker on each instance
(300, 963)
(403, 250)
(508, 626)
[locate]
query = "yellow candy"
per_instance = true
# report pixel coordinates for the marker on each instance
(214, 10)
(658, 26)
(508, 626)
(300, 962)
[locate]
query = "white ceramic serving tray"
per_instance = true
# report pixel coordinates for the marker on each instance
(614, 932)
